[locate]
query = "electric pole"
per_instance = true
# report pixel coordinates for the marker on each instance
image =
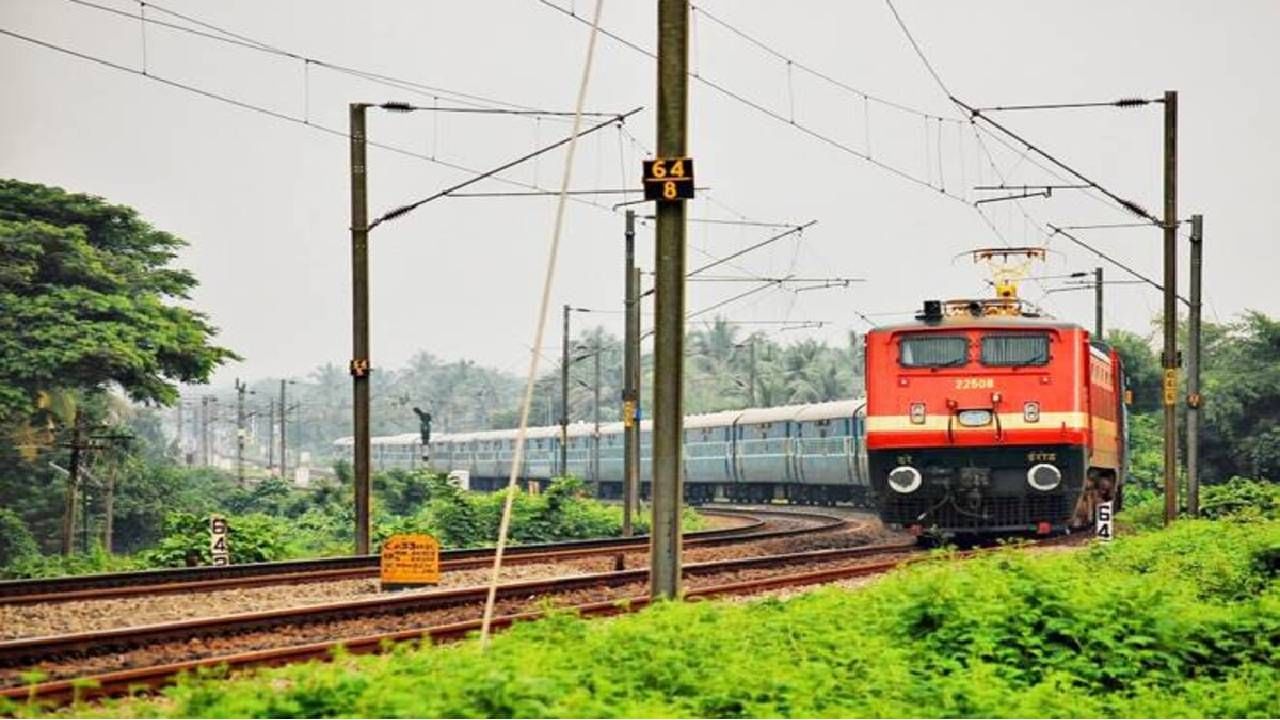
(595, 409)
(204, 429)
(751, 375)
(564, 396)
(1170, 358)
(73, 484)
(1097, 304)
(360, 367)
(631, 382)
(178, 442)
(240, 390)
(1193, 371)
(271, 434)
(668, 392)
(284, 431)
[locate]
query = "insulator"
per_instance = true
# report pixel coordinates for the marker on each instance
(1131, 102)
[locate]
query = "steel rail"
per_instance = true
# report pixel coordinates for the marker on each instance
(130, 681)
(25, 651)
(206, 578)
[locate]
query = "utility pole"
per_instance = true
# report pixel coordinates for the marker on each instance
(109, 508)
(284, 432)
(73, 484)
(595, 409)
(631, 383)
(1097, 304)
(271, 434)
(668, 393)
(240, 390)
(1193, 371)
(1170, 359)
(751, 374)
(178, 442)
(360, 367)
(564, 396)
(204, 429)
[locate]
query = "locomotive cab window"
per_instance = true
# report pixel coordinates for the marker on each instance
(1015, 350)
(933, 351)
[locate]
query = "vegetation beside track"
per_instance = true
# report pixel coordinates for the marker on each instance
(1177, 622)
(272, 521)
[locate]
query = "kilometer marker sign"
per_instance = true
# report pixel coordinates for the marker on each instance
(1105, 529)
(219, 553)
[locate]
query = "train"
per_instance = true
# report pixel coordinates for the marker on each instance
(979, 418)
(809, 454)
(984, 418)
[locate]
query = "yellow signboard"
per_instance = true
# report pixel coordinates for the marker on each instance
(1170, 387)
(409, 560)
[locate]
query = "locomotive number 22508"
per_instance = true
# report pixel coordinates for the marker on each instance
(975, 383)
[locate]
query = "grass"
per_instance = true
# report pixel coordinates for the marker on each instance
(1183, 622)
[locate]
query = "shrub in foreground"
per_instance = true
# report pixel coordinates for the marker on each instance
(1184, 622)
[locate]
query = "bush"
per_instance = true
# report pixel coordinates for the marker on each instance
(1184, 623)
(16, 541)
(250, 539)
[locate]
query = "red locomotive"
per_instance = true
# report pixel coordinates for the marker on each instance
(985, 418)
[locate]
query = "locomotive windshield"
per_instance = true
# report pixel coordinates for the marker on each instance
(1015, 350)
(933, 351)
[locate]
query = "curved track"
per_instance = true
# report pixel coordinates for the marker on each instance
(206, 578)
(152, 655)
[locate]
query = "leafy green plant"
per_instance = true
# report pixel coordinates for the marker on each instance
(1184, 622)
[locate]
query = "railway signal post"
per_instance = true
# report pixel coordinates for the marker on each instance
(668, 386)
(1170, 359)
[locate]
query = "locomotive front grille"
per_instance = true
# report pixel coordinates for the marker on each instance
(1022, 510)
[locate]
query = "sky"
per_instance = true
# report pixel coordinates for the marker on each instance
(789, 100)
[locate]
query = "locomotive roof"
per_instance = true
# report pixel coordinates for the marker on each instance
(989, 321)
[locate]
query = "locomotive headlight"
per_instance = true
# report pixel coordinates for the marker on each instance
(1031, 412)
(974, 418)
(917, 413)
(1044, 477)
(904, 479)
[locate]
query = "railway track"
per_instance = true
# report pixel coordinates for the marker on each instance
(206, 578)
(122, 659)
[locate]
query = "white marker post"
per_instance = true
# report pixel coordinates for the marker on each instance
(1105, 529)
(218, 550)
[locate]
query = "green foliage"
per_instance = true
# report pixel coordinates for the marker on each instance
(87, 291)
(250, 538)
(1179, 623)
(1141, 367)
(96, 560)
(458, 518)
(16, 540)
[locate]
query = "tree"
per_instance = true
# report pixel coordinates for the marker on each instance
(88, 297)
(1141, 367)
(87, 289)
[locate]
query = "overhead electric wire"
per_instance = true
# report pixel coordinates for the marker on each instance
(793, 63)
(801, 127)
(1129, 205)
(1113, 261)
(410, 207)
(229, 37)
(756, 246)
(269, 112)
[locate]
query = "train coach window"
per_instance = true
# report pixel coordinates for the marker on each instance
(1015, 350)
(933, 351)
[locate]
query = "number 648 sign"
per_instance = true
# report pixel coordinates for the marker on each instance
(668, 179)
